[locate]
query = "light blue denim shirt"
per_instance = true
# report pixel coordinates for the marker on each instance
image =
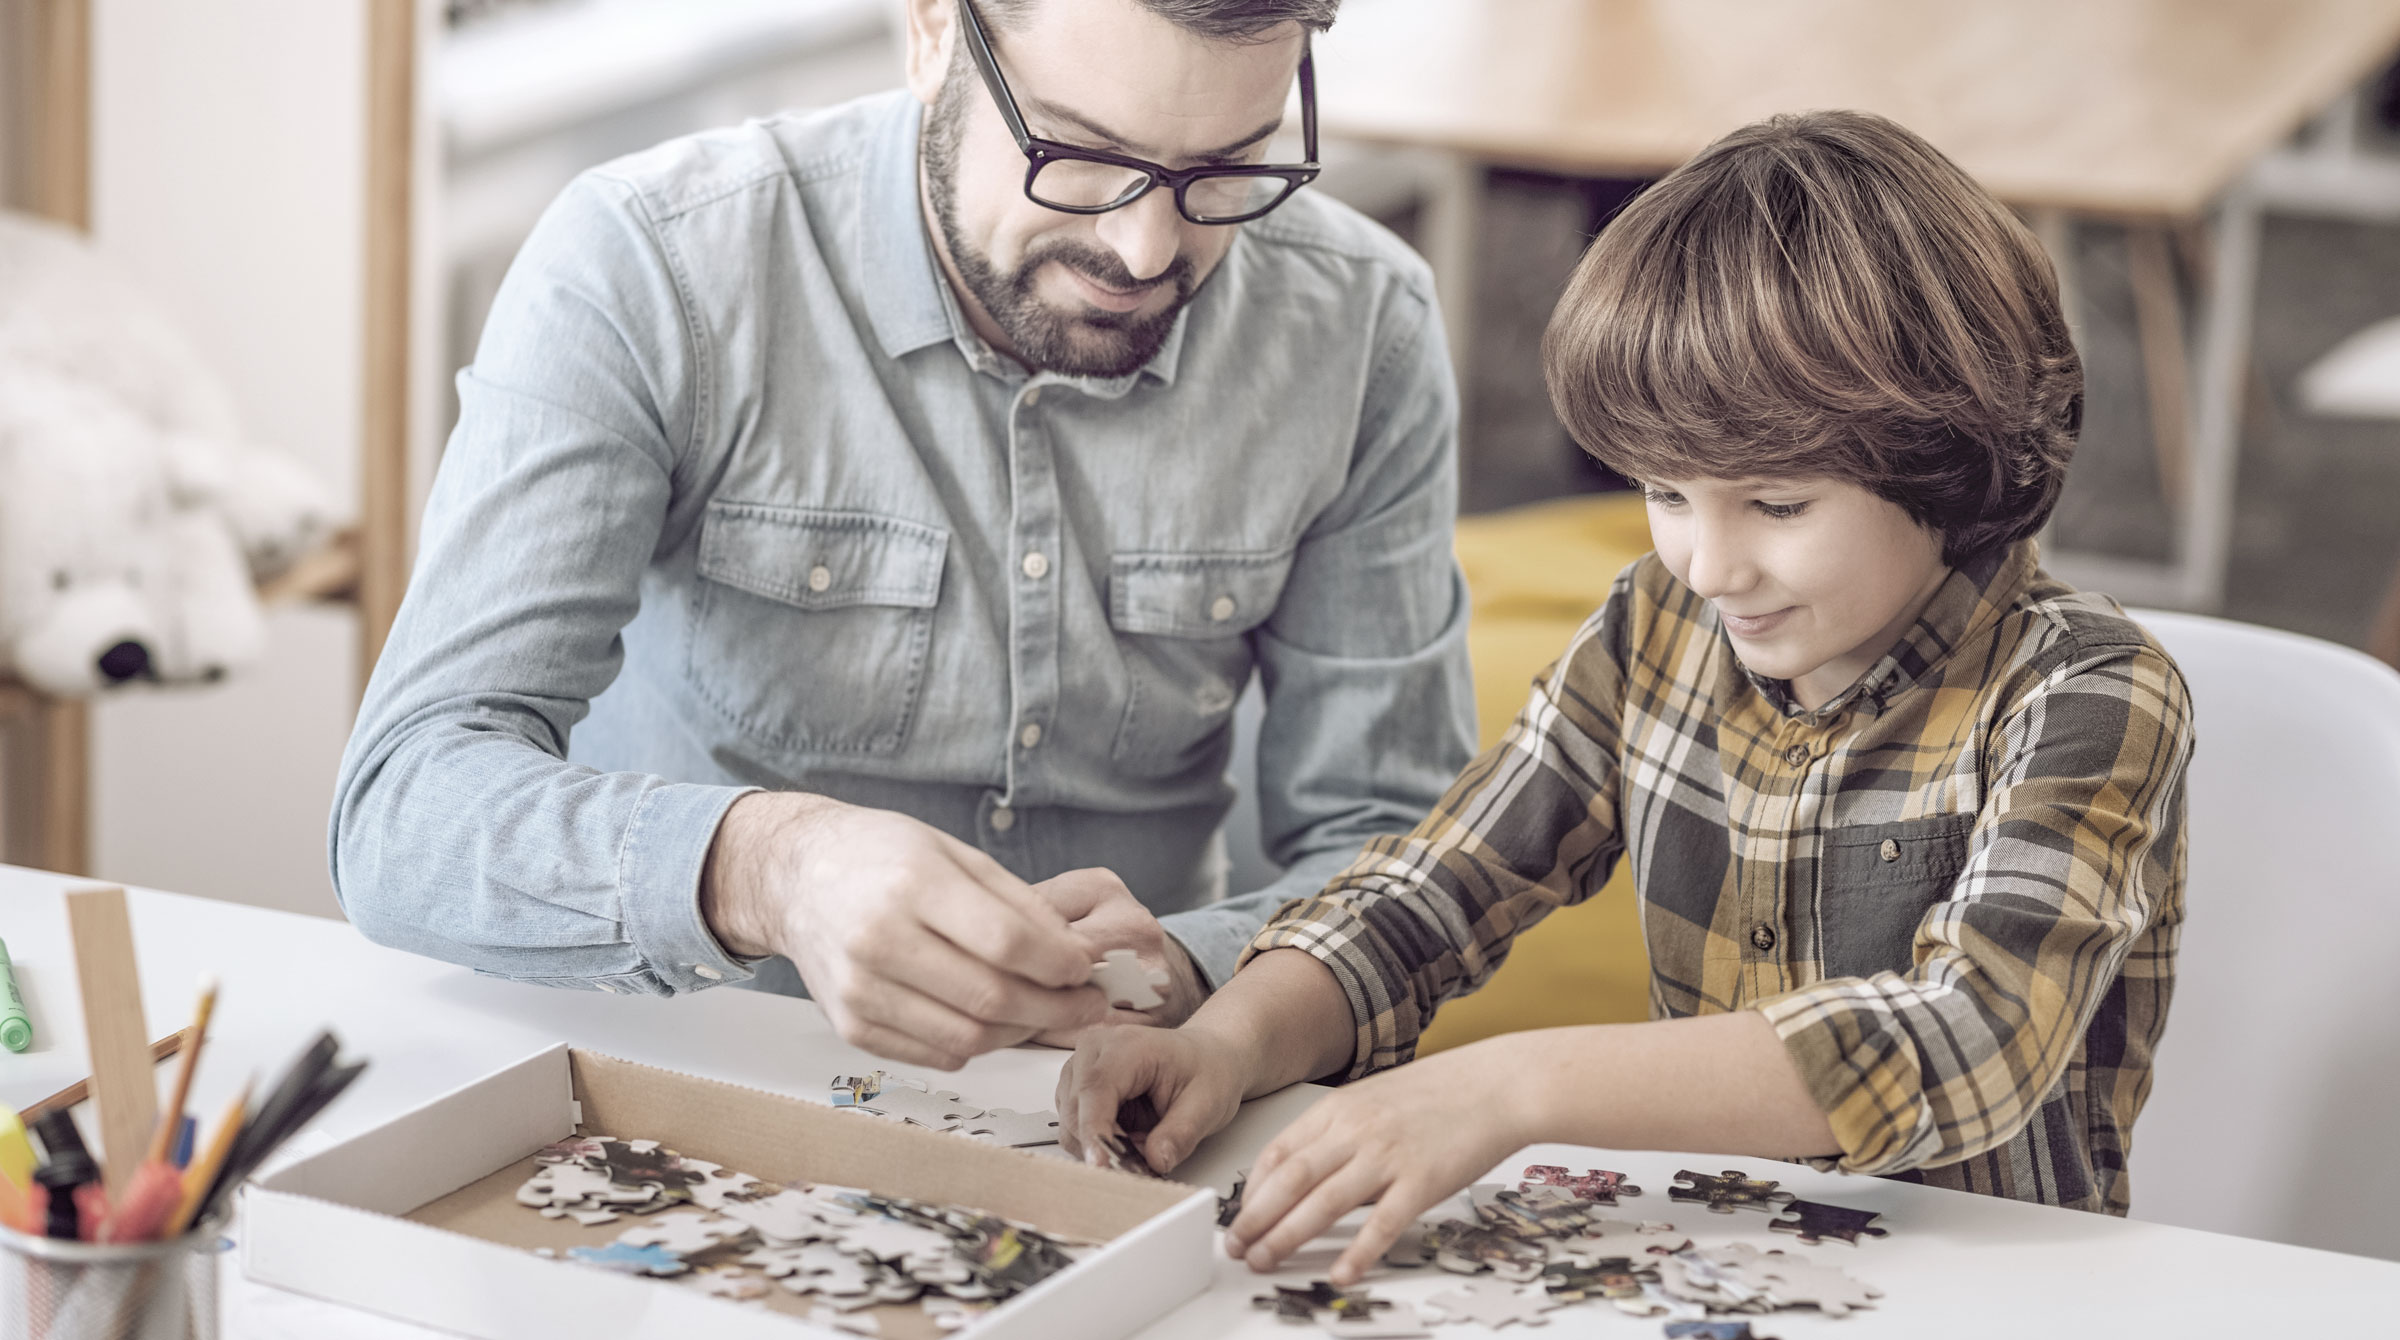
(737, 499)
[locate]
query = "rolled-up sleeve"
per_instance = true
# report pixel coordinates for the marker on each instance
(1527, 828)
(459, 830)
(2077, 847)
(1370, 705)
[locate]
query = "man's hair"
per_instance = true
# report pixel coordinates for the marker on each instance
(1221, 20)
(1826, 294)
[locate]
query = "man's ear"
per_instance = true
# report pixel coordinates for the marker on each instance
(932, 29)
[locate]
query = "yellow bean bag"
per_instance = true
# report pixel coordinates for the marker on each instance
(1536, 574)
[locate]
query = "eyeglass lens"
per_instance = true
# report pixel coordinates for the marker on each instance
(1077, 183)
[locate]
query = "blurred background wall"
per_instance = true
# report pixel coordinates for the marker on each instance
(228, 173)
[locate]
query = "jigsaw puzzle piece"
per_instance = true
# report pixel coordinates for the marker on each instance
(1128, 983)
(630, 1260)
(1017, 1130)
(1722, 1193)
(686, 1232)
(1494, 1304)
(1815, 1222)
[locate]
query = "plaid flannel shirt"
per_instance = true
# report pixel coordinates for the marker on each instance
(1955, 890)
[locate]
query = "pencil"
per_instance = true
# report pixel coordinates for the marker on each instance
(203, 1173)
(171, 1117)
(82, 1088)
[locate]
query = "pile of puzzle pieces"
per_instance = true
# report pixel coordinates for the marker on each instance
(736, 1236)
(1545, 1244)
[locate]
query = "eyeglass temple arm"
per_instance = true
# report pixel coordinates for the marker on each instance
(1308, 97)
(979, 46)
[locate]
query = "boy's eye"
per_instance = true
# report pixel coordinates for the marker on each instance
(1782, 511)
(1663, 497)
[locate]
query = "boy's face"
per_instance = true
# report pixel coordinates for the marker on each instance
(1814, 579)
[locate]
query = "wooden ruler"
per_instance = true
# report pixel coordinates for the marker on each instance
(124, 1092)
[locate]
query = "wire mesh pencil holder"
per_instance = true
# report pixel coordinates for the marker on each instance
(52, 1289)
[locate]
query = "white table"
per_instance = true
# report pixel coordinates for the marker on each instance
(1955, 1265)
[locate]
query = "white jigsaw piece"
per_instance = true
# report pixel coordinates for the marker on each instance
(786, 1216)
(941, 1110)
(1017, 1130)
(685, 1233)
(724, 1282)
(892, 1240)
(719, 1184)
(1794, 1281)
(1602, 1238)
(1489, 1302)
(1129, 985)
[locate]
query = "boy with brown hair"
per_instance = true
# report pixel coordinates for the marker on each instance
(1905, 812)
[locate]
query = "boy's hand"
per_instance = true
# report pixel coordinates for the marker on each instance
(1194, 1078)
(1405, 1139)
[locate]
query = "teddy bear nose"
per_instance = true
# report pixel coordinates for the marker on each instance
(124, 661)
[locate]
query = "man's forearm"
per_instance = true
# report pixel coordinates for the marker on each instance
(758, 830)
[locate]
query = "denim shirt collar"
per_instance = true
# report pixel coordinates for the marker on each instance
(914, 306)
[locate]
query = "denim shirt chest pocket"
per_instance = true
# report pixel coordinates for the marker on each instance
(1181, 620)
(810, 626)
(1879, 880)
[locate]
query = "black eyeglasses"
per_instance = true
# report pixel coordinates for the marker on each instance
(1092, 181)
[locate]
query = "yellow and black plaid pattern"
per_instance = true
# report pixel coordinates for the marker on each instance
(1955, 889)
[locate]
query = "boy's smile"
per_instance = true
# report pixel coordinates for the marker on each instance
(1813, 579)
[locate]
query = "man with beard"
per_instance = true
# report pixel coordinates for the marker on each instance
(848, 557)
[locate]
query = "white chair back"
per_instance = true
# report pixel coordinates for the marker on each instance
(2277, 1103)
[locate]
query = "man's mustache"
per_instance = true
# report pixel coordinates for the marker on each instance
(1105, 269)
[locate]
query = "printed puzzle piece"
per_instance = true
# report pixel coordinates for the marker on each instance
(1129, 984)
(1815, 1222)
(1712, 1330)
(1595, 1184)
(1724, 1192)
(630, 1260)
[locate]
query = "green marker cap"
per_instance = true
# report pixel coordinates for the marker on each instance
(16, 1031)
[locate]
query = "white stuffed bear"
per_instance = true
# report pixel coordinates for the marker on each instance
(135, 520)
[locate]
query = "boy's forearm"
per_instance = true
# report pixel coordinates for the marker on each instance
(1287, 1017)
(1715, 1084)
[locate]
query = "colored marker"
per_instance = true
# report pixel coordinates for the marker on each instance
(16, 1030)
(16, 1156)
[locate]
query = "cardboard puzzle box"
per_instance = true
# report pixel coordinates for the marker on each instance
(419, 1219)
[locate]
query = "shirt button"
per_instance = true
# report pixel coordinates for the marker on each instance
(1031, 735)
(819, 577)
(1890, 850)
(609, 987)
(708, 972)
(1221, 608)
(1796, 755)
(1763, 936)
(1033, 397)
(1036, 565)
(1003, 818)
